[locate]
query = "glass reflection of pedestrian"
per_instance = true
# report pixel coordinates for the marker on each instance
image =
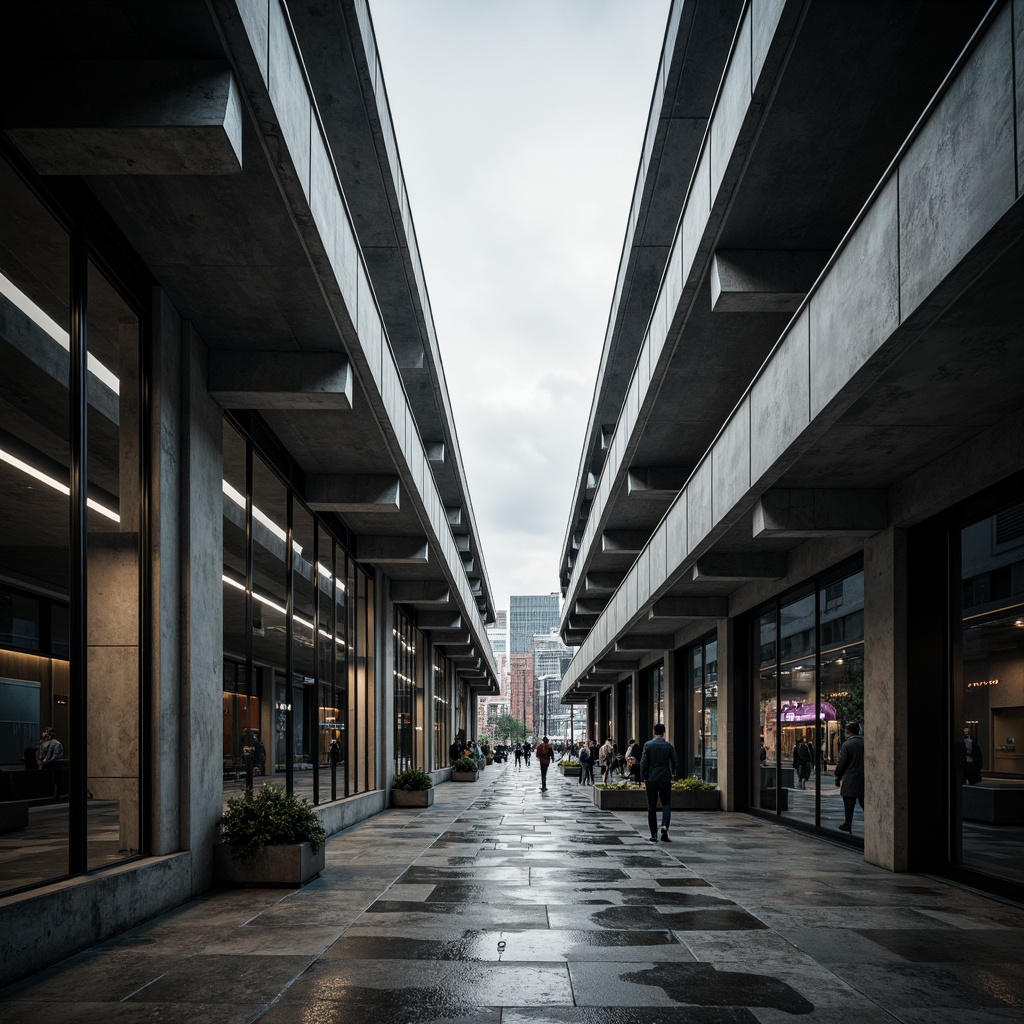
(802, 762)
(850, 773)
(259, 755)
(968, 756)
(49, 754)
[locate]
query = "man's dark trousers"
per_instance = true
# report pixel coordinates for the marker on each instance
(655, 790)
(544, 775)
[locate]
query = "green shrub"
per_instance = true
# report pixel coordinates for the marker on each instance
(464, 764)
(569, 762)
(413, 780)
(691, 784)
(625, 784)
(269, 817)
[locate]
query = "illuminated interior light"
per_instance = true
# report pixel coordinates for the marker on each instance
(55, 331)
(232, 583)
(37, 474)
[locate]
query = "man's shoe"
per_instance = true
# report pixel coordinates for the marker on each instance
(845, 828)
(664, 836)
(652, 839)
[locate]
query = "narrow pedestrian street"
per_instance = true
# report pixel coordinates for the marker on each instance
(503, 904)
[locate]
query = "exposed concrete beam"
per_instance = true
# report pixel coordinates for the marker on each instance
(690, 608)
(591, 485)
(601, 582)
(762, 280)
(739, 567)
(623, 542)
(454, 514)
(468, 562)
(462, 542)
(280, 380)
(591, 605)
(439, 621)
(607, 435)
(342, 493)
(409, 357)
(470, 654)
(451, 638)
(801, 513)
(654, 642)
(435, 452)
(393, 550)
(573, 638)
(581, 623)
(420, 592)
(606, 666)
(657, 481)
(125, 116)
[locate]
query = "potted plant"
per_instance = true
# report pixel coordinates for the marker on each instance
(569, 767)
(464, 770)
(412, 788)
(620, 796)
(269, 838)
(693, 794)
(689, 794)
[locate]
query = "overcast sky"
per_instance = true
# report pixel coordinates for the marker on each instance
(519, 125)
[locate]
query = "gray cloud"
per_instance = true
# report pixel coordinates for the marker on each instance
(520, 124)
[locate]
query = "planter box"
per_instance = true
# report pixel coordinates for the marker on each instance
(277, 867)
(636, 800)
(412, 797)
(570, 771)
(464, 776)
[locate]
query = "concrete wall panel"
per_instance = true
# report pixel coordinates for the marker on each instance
(657, 565)
(368, 324)
(856, 306)
(642, 572)
(780, 398)
(677, 545)
(699, 507)
(696, 211)
(765, 16)
(731, 463)
(731, 108)
(1018, 63)
(959, 175)
(672, 286)
(255, 15)
(287, 89)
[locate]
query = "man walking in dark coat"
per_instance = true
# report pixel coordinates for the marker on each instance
(658, 765)
(850, 773)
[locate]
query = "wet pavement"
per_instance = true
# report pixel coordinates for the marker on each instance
(503, 905)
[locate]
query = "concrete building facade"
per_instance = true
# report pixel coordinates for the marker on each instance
(238, 538)
(799, 497)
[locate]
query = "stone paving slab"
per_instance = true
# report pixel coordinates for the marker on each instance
(502, 905)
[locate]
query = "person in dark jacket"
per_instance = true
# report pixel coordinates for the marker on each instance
(802, 762)
(850, 773)
(658, 766)
(968, 759)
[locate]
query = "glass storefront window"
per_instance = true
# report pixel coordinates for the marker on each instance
(809, 685)
(657, 684)
(987, 732)
(702, 674)
(406, 640)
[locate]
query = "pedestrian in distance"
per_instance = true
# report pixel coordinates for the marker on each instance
(544, 755)
(519, 756)
(607, 757)
(527, 751)
(658, 766)
(968, 759)
(633, 753)
(586, 766)
(802, 762)
(850, 773)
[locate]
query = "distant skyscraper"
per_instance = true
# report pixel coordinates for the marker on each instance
(530, 615)
(498, 636)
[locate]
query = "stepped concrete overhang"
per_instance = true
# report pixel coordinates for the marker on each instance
(697, 40)
(340, 54)
(792, 151)
(260, 256)
(915, 312)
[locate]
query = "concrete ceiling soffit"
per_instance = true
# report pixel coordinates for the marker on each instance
(437, 620)
(802, 513)
(739, 567)
(336, 492)
(452, 638)
(408, 357)
(454, 514)
(435, 452)
(606, 667)
(601, 583)
(280, 380)
(657, 482)
(419, 592)
(689, 608)
(624, 542)
(762, 280)
(591, 605)
(134, 117)
(653, 642)
(581, 623)
(392, 550)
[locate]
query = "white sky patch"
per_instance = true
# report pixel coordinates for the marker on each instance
(520, 125)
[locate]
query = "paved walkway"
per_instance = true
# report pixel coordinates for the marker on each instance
(502, 905)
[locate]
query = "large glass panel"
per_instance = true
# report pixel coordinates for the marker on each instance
(114, 472)
(709, 729)
(657, 694)
(988, 711)
(797, 711)
(34, 479)
(268, 618)
(841, 686)
(765, 690)
(344, 728)
(305, 716)
(404, 690)
(695, 677)
(328, 728)
(442, 711)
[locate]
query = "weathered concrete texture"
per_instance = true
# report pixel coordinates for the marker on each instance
(731, 463)
(887, 792)
(856, 306)
(277, 380)
(765, 15)
(49, 924)
(731, 109)
(1018, 63)
(700, 515)
(288, 93)
(780, 398)
(959, 175)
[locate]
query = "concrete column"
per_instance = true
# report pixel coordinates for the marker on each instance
(885, 701)
(730, 710)
(202, 517)
(166, 573)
